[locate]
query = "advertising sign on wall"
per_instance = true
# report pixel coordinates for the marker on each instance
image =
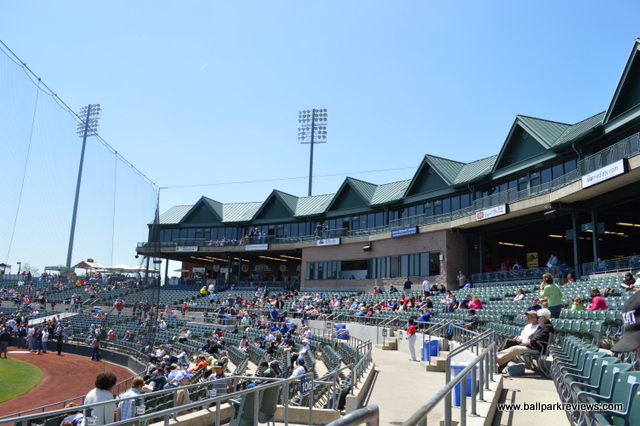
(404, 232)
(492, 212)
(187, 248)
(328, 242)
(532, 260)
(604, 173)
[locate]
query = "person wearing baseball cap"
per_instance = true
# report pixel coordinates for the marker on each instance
(527, 331)
(536, 343)
(221, 387)
(182, 396)
(300, 369)
(535, 304)
(630, 341)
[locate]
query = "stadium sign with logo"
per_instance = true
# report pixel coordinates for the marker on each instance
(328, 242)
(492, 212)
(187, 248)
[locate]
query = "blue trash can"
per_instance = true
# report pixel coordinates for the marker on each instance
(456, 368)
(426, 353)
(96, 309)
(342, 334)
(435, 347)
(341, 331)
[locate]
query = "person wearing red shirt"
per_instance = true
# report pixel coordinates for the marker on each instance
(411, 336)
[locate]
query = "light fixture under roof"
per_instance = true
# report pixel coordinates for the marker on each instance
(510, 244)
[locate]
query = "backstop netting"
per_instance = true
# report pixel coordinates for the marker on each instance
(38, 174)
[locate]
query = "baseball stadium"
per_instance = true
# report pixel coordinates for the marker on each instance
(472, 293)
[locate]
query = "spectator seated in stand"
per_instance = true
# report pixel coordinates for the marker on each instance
(629, 283)
(534, 305)
(597, 301)
(537, 343)
(425, 316)
(468, 323)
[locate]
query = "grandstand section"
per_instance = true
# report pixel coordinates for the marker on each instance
(341, 362)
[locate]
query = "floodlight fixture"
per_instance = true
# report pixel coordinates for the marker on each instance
(312, 130)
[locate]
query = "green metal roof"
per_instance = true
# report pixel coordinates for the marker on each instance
(546, 132)
(291, 201)
(240, 212)
(579, 129)
(216, 206)
(310, 206)
(174, 215)
(390, 192)
(476, 169)
(619, 101)
(447, 169)
(366, 190)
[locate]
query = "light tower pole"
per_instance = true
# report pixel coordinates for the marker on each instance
(313, 130)
(88, 127)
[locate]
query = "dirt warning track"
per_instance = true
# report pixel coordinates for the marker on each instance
(64, 377)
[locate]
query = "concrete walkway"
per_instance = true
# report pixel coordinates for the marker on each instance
(401, 387)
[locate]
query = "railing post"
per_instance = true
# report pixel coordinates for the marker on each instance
(310, 401)
(447, 397)
(285, 399)
(353, 379)
(463, 401)
(476, 388)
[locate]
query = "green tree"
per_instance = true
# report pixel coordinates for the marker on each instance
(26, 267)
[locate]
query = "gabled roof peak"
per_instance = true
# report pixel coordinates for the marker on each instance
(528, 117)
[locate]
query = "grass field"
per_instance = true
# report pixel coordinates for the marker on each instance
(17, 377)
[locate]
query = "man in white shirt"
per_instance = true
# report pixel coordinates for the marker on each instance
(527, 331)
(426, 285)
(306, 333)
(269, 337)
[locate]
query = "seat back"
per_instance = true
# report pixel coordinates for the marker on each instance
(245, 408)
(589, 359)
(633, 412)
(269, 403)
(598, 370)
(624, 392)
(609, 378)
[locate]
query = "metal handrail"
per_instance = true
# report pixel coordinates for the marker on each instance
(370, 415)
(611, 265)
(433, 329)
(487, 335)
(419, 418)
(145, 419)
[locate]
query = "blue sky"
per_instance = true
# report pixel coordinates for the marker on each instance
(208, 92)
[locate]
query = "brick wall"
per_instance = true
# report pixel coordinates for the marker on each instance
(450, 245)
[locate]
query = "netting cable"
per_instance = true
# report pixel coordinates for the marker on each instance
(43, 87)
(24, 174)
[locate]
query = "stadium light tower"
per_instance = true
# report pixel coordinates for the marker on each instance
(87, 127)
(312, 130)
